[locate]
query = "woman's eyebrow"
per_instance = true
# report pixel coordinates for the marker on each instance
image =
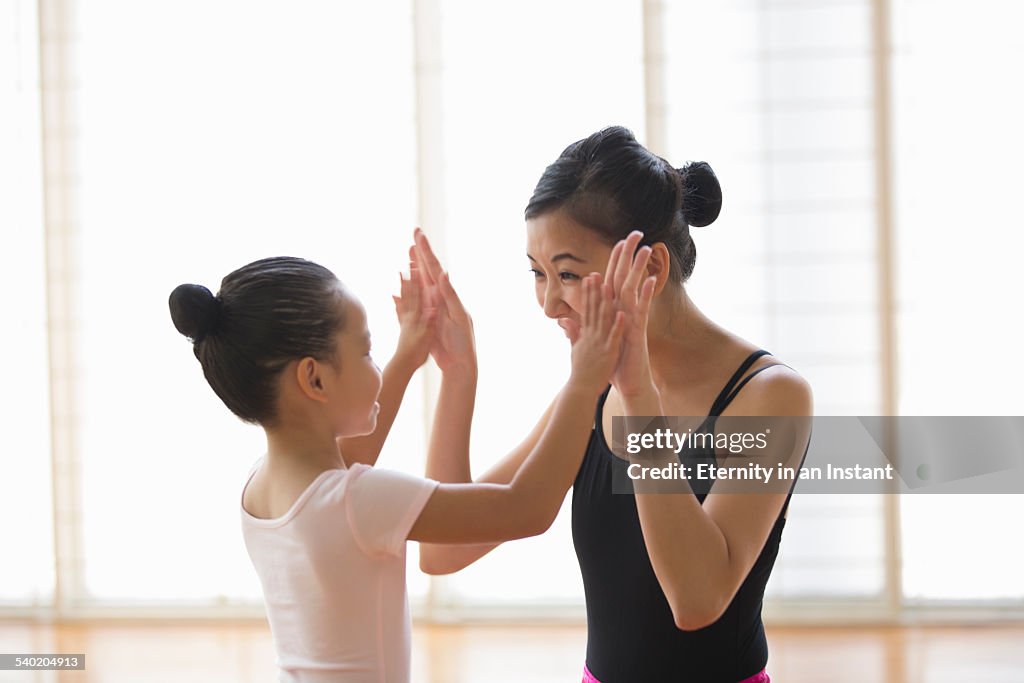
(560, 257)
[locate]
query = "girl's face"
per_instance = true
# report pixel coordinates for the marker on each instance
(561, 252)
(358, 379)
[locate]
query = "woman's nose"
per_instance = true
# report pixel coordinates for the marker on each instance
(554, 305)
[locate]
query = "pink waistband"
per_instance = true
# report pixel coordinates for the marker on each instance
(759, 677)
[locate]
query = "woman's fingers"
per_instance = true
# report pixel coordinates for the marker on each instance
(431, 265)
(647, 295)
(453, 304)
(637, 271)
(588, 304)
(626, 259)
(613, 262)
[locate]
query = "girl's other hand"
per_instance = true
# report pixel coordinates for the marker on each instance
(596, 351)
(627, 268)
(453, 345)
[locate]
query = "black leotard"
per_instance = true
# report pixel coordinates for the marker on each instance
(631, 634)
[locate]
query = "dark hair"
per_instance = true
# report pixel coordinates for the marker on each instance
(613, 185)
(266, 314)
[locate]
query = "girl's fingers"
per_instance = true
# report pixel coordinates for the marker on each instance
(413, 287)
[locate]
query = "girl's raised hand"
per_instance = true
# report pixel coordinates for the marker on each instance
(416, 318)
(596, 350)
(453, 345)
(627, 273)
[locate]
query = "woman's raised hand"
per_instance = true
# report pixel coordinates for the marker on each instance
(453, 345)
(597, 348)
(633, 292)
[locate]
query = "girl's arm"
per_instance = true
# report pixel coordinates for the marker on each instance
(702, 554)
(451, 467)
(416, 317)
(487, 513)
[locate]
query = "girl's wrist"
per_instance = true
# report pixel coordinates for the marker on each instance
(406, 360)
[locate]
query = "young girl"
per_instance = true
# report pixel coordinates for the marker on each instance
(286, 346)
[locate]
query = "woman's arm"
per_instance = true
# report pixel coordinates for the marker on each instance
(702, 554)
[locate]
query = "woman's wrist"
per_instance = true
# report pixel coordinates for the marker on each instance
(583, 387)
(645, 400)
(460, 373)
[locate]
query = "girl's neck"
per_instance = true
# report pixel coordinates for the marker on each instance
(304, 444)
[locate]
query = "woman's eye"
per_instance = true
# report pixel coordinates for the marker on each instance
(566, 277)
(536, 273)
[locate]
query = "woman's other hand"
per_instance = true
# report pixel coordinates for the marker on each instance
(633, 291)
(598, 346)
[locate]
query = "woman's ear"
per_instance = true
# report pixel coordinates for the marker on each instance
(311, 380)
(659, 265)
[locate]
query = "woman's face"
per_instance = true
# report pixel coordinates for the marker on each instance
(561, 252)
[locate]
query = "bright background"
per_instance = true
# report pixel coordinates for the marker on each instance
(870, 237)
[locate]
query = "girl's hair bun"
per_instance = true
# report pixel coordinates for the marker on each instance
(702, 194)
(195, 311)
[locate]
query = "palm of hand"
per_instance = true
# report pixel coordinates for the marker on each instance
(633, 294)
(415, 319)
(453, 342)
(633, 371)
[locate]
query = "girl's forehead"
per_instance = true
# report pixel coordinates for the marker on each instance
(352, 311)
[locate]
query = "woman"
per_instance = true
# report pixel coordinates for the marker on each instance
(673, 582)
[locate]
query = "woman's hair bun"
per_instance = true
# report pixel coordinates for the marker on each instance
(702, 194)
(195, 311)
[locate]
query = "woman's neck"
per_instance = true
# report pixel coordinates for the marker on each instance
(679, 336)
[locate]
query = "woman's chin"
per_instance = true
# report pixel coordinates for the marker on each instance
(570, 327)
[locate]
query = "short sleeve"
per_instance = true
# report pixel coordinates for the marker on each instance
(382, 505)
